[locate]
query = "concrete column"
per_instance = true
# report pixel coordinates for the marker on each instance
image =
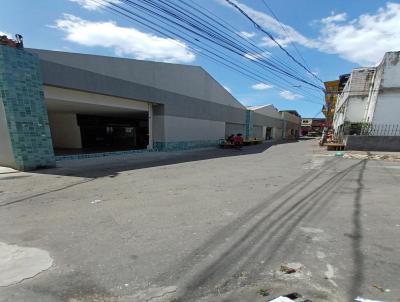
(284, 133)
(150, 121)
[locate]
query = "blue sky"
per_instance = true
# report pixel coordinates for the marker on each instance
(332, 36)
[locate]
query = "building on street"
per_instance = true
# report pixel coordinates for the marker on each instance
(312, 126)
(57, 104)
(332, 90)
(369, 106)
(291, 124)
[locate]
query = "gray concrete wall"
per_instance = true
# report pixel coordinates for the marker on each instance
(188, 80)
(182, 94)
(174, 104)
(263, 120)
(231, 128)
(178, 129)
(7, 158)
(258, 132)
(373, 143)
(267, 121)
(65, 132)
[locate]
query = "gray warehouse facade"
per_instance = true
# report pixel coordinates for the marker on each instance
(70, 103)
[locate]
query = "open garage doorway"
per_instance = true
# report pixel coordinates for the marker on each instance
(112, 133)
(82, 122)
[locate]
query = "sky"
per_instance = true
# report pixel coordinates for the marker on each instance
(330, 37)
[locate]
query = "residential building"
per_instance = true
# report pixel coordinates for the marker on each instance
(331, 93)
(371, 95)
(383, 105)
(312, 126)
(369, 105)
(352, 103)
(332, 90)
(56, 105)
(291, 124)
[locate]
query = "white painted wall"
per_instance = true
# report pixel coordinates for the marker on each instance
(355, 109)
(391, 65)
(65, 132)
(384, 103)
(179, 129)
(387, 109)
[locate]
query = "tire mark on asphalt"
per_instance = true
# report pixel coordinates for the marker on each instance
(260, 235)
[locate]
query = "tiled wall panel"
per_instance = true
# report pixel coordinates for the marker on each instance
(26, 114)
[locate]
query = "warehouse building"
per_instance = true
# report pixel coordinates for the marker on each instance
(57, 105)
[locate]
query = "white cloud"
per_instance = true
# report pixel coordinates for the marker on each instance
(286, 94)
(246, 34)
(262, 86)
(284, 34)
(124, 41)
(334, 18)
(365, 39)
(3, 33)
(94, 4)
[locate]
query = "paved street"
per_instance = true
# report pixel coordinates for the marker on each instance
(209, 225)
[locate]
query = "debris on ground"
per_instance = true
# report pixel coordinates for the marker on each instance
(95, 201)
(339, 154)
(389, 157)
(264, 292)
(290, 298)
(287, 270)
(381, 289)
(378, 287)
(293, 296)
(330, 274)
(281, 299)
(291, 271)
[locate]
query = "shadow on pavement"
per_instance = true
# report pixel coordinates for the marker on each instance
(271, 224)
(111, 166)
(357, 235)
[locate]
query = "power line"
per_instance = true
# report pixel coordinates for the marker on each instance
(272, 38)
(146, 10)
(225, 43)
(288, 36)
(207, 13)
(212, 54)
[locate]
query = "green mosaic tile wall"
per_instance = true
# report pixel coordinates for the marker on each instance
(185, 145)
(22, 95)
(249, 124)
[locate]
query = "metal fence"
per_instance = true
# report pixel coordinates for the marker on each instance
(380, 130)
(367, 129)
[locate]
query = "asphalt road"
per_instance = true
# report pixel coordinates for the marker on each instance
(209, 225)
